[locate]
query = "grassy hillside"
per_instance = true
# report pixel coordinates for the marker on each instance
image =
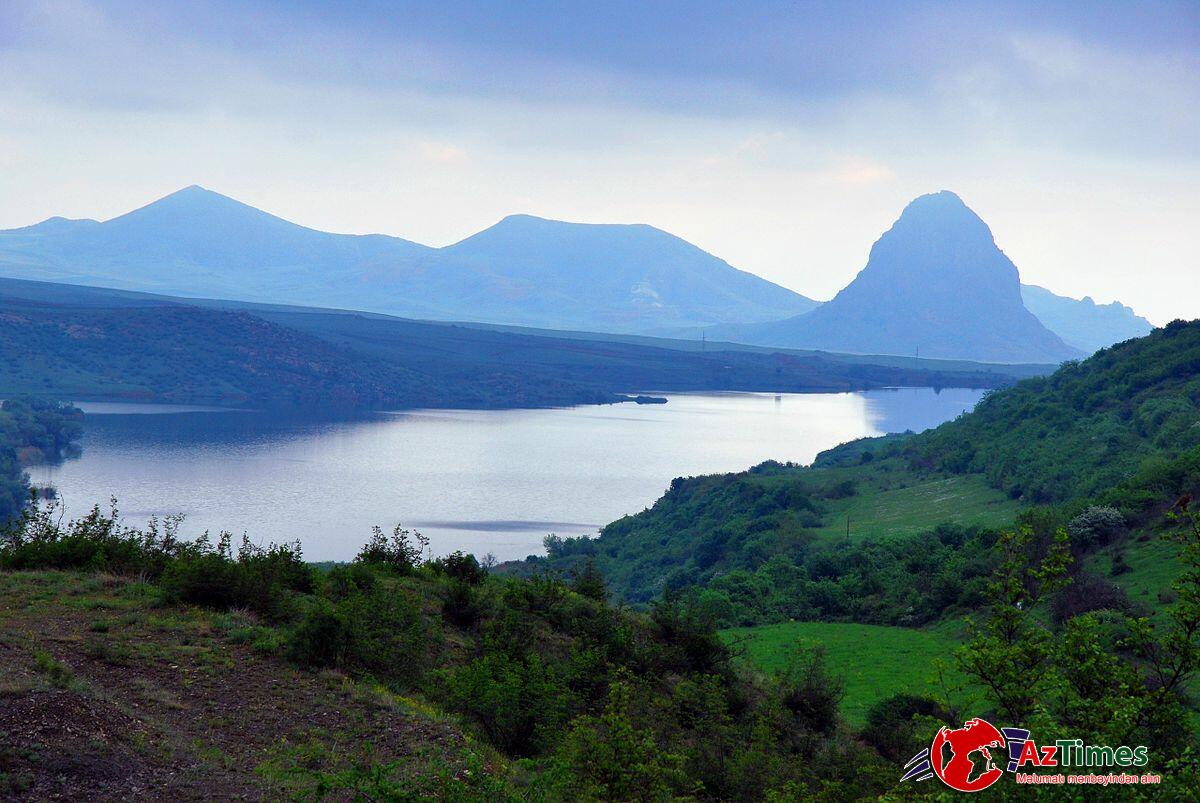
(873, 662)
(1120, 430)
(1086, 428)
(107, 694)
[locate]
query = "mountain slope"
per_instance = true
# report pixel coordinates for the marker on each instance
(935, 283)
(1084, 324)
(75, 342)
(522, 271)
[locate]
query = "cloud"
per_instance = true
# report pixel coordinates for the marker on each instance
(857, 171)
(441, 153)
(783, 137)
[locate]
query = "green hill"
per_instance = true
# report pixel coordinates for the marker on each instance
(898, 530)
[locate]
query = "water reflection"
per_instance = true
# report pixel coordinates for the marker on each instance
(482, 481)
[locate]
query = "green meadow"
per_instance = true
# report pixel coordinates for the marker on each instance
(873, 661)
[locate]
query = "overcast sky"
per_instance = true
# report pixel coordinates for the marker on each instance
(783, 137)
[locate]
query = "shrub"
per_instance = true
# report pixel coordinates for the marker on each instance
(379, 632)
(261, 579)
(890, 728)
(321, 637)
(402, 552)
(809, 692)
(460, 566)
(518, 702)
(1095, 526)
(606, 757)
(343, 581)
(37, 539)
(461, 603)
(589, 582)
(1087, 592)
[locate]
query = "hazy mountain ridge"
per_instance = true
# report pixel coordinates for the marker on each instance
(935, 283)
(523, 271)
(1082, 323)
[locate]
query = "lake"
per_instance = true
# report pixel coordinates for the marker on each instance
(482, 481)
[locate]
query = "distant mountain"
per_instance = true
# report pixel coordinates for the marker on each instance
(200, 243)
(934, 283)
(1084, 324)
(522, 271)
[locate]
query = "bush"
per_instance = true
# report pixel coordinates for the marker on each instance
(402, 552)
(890, 728)
(460, 566)
(518, 702)
(589, 582)
(37, 539)
(379, 632)
(606, 757)
(1087, 592)
(261, 579)
(461, 603)
(809, 692)
(321, 637)
(343, 581)
(1095, 526)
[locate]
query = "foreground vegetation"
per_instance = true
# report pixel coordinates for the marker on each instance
(168, 667)
(562, 695)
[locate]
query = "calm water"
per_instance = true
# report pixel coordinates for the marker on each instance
(494, 481)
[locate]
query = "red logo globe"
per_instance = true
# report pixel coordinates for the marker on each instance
(958, 770)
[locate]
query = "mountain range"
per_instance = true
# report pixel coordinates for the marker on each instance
(1082, 323)
(935, 283)
(524, 270)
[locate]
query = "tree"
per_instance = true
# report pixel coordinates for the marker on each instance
(1011, 653)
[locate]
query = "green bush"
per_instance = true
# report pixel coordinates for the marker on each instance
(462, 603)
(379, 632)
(403, 552)
(261, 579)
(519, 702)
(460, 566)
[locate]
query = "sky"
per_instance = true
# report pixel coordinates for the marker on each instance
(782, 137)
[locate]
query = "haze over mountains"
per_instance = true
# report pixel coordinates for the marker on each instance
(1083, 323)
(935, 283)
(524, 270)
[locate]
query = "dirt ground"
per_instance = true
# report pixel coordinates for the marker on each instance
(105, 695)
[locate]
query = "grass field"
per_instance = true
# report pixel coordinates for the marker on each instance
(909, 505)
(1153, 568)
(875, 662)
